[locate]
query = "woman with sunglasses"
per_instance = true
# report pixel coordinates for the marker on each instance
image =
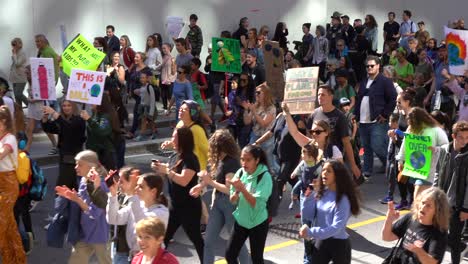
(245, 93)
(261, 115)
(182, 89)
(320, 132)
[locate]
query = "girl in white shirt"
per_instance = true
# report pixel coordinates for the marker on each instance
(11, 247)
(146, 200)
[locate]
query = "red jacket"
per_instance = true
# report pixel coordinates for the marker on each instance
(163, 257)
(128, 55)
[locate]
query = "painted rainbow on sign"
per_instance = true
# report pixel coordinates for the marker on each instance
(456, 49)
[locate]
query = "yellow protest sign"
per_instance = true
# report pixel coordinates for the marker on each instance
(81, 54)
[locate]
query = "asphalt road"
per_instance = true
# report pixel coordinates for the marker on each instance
(282, 243)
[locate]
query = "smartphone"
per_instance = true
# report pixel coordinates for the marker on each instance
(112, 178)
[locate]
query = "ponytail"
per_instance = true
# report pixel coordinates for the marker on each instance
(155, 181)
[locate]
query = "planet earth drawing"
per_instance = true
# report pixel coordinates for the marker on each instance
(418, 160)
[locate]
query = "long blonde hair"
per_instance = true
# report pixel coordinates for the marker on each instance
(267, 96)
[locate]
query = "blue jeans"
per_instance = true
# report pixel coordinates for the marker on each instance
(120, 258)
(374, 139)
(220, 216)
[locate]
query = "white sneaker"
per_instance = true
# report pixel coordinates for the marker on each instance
(46, 227)
(291, 205)
(464, 254)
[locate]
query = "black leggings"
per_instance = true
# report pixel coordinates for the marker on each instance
(286, 169)
(21, 209)
(257, 236)
(336, 250)
(454, 236)
(166, 94)
(189, 217)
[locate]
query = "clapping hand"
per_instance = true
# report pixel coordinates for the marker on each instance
(237, 184)
(303, 231)
(65, 192)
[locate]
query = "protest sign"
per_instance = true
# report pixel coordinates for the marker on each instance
(42, 79)
(274, 68)
(80, 54)
(86, 86)
(417, 156)
(457, 41)
(301, 89)
(174, 26)
(226, 55)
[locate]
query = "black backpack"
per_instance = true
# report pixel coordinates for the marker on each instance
(273, 201)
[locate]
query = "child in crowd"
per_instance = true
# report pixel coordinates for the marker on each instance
(147, 108)
(233, 109)
(307, 170)
(199, 83)
(150, 236)
(391, 169)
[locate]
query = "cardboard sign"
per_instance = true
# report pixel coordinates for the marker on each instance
(226, 55)
(174, 26)
(86, 86)
(43, 79)
(274, 68)
(81, 54)
(301, 89)
(417, 156)
(457, 42)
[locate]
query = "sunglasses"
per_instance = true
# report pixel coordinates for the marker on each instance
(317, 132)
(370, 66)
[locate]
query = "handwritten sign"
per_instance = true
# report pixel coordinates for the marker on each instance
(226, 55)
(80, 54)
(417, 156)
(301, 89)
(86, 86)
(42, 79)
(274, 68)
(174, 26)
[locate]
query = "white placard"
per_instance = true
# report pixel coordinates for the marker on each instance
(86, 86)
(42, 79)
(174, 26)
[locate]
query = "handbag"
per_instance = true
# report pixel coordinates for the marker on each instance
(394, 258)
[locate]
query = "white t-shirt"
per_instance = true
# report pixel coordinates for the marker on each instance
(365, 107)
(6, 164)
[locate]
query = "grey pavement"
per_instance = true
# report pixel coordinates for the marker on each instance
(282, 244)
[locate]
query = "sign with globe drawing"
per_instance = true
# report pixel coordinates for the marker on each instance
(418, 156)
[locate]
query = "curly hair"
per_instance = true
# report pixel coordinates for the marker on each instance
(220, 142)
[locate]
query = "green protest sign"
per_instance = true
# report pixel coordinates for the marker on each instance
(81, 54)
(226, 55)
(417, 156)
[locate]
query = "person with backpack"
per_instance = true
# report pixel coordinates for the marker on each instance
(251, 188)
(11, 247)
(408, 29)
(23, 203)
(334, 199)
(223, 155)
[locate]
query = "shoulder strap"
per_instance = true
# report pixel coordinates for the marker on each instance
(260, 177)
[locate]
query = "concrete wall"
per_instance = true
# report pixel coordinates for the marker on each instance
(138, 18)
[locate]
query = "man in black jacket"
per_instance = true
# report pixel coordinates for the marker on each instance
(451, 176)
(113, 42)
(375, 101)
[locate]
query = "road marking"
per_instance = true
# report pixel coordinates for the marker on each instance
(294, 242)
